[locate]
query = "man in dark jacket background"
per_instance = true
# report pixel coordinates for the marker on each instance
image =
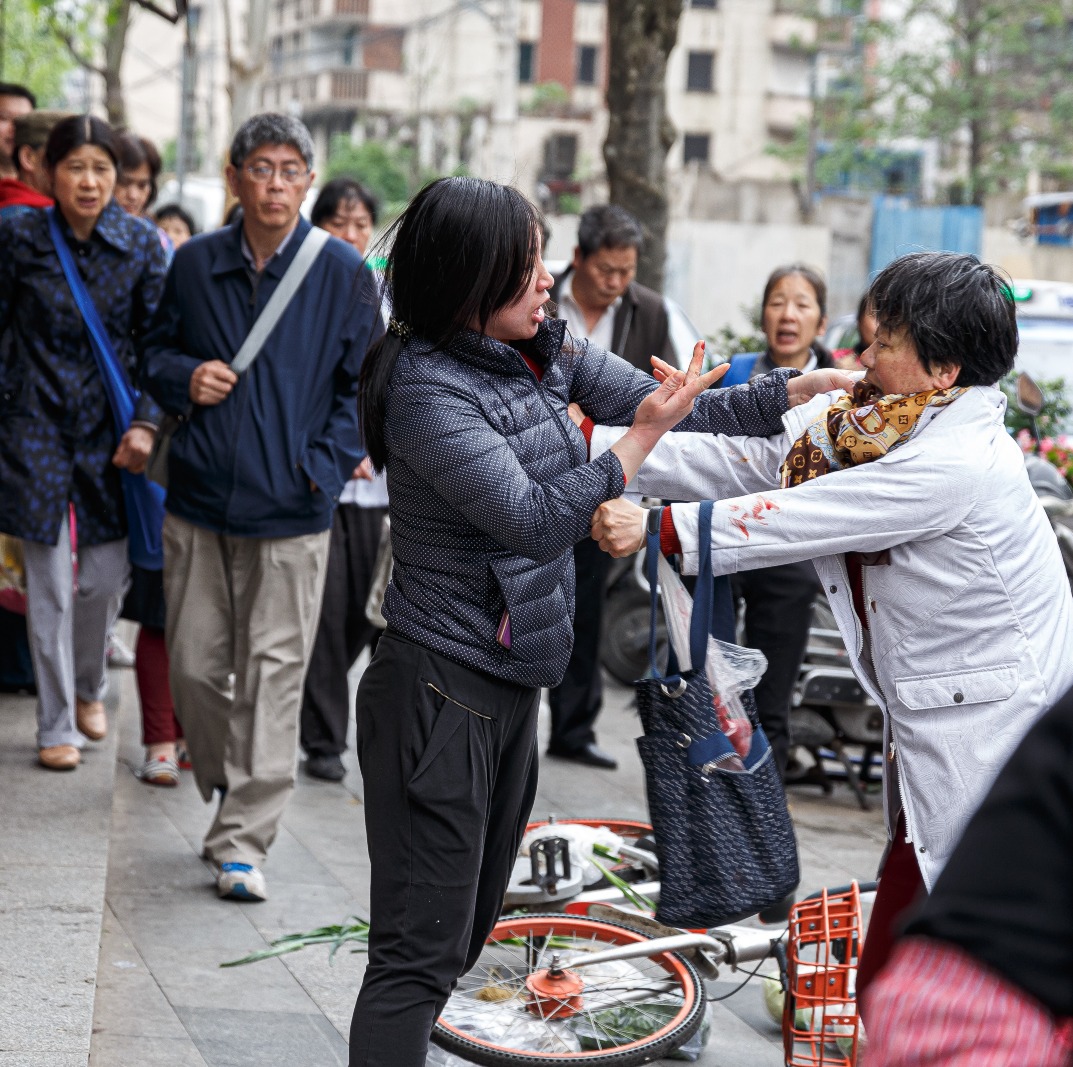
(254, 474)
(600, 301)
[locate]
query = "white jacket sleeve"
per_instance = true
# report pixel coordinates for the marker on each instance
(914, 493)
(704, 466)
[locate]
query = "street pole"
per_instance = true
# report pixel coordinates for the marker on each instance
(187, 117)
(505, 105)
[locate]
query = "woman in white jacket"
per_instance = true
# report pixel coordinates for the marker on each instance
(937, 558)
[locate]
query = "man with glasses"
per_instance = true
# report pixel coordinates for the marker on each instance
(600, 301)
(255, 471)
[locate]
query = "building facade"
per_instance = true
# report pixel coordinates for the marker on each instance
(515, 89)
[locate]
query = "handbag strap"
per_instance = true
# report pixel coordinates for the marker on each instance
(121, 394)
(701, 618)
(295, 274)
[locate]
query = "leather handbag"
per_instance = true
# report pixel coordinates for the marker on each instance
(724, 838)
(156, 470)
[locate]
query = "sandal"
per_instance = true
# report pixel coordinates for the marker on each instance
(160, 771)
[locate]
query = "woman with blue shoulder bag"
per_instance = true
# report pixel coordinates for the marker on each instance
(78, 284)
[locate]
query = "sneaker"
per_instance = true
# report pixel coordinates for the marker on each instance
(241, 881)
(119, 654)
(182, 757)
(159, 771)
(328, 768)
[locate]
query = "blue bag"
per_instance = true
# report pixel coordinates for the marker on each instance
(724, 838)
(144, 500)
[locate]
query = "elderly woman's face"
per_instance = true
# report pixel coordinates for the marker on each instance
(792, 320)
(520, 320)
(82, 183)
(892, 363)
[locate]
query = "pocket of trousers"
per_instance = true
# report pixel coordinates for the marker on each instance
(449, 792)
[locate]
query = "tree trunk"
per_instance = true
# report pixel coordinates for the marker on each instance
(641, 35)
(115, 41)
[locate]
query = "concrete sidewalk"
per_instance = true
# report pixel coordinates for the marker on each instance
(160, 995)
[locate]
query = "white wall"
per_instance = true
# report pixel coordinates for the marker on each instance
(1023, 258)
(716, 267)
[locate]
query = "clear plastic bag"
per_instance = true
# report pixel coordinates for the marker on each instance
(730, 669)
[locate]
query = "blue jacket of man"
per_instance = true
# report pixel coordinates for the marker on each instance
(248, 466)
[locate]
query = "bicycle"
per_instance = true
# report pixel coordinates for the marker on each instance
(610, 988)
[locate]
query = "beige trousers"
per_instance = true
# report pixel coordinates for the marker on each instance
(242, 615)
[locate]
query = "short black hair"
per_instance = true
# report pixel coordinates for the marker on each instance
(956, 310)
(803, 270)
(463, 249)
(174, 211)
(70, 134)
(608, 226)
(342, 191)
(11, 89)
(135, 151)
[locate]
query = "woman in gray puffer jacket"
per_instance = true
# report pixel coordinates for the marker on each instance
(465, 403)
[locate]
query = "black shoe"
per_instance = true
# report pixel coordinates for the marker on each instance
(328, 768)
(588, 754)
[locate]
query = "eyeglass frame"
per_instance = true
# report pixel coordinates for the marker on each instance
(271, 171)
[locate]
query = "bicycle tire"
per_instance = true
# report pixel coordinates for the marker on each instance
(517, 946)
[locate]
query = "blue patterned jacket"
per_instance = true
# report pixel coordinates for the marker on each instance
(56, 433)
(490, 488)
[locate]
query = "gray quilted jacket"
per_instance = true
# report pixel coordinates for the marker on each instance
(490, 489)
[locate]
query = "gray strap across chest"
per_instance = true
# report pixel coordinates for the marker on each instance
(295, 274)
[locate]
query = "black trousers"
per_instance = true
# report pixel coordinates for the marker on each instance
(575, 701)
(343, 631)
(778, 613)
(449, 761)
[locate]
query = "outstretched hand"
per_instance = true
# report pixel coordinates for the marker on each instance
(664, 408)
(673, 400)
(803, 388)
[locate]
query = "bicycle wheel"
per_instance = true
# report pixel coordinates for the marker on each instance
(617, 1013)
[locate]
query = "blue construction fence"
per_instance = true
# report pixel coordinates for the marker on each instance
(899, 227)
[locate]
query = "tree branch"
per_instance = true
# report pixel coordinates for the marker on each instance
(148, 5)
(69, 43)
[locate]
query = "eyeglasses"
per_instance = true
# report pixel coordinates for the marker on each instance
(262, 172)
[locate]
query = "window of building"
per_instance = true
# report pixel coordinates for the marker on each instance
(560, 157)
(711, 5)
(700, 72)
(696, 148)
(526, 62)
(586, 64)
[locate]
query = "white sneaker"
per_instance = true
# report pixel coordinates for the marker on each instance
(119, 654)
(241, 881)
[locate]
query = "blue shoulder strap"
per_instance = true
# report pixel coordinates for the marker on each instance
(703, 595)
(741, 366)
(121, 394)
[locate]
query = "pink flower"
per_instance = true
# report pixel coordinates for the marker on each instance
(1024, 439)
(1046, 444)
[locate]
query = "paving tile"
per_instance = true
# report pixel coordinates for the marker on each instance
(49, 926)
(184, 938)
(230, 1038)
(130, 1004)
(115, 1050)
(44, 1059)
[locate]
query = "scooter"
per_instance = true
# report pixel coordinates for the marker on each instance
(1051, 486)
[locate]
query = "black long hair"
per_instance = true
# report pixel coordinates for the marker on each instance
(462, 249)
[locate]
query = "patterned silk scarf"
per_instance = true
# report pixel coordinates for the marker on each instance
(860, 427)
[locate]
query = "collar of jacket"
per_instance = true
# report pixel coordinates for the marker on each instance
(480, 350)
(229, 252)
(114, 226)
